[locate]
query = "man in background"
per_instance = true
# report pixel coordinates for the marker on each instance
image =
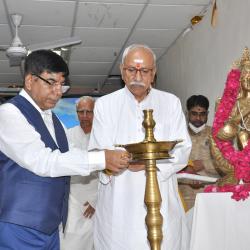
(78, 234)
(2, 100)
(200, 160)
(118, 120)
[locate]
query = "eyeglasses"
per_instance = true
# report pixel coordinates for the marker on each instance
(52, 83)
(85, 112)
(144, 72)
(201, 114)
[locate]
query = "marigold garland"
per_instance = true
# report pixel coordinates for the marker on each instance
(240, 160)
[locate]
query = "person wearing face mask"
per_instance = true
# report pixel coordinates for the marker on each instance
(200, 160)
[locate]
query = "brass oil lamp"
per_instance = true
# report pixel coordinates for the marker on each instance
(149, 150)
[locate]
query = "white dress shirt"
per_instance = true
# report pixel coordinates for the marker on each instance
(78, 233)
(20, 142)
(83, 188)
(120, 211)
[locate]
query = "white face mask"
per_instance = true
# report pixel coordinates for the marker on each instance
(195, 129)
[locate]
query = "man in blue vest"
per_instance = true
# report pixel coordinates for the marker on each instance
(36, 160)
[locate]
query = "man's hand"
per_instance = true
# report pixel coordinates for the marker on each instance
(136, 166)
(198, 165)
(89, 211)
(117, 160)
(189, 169)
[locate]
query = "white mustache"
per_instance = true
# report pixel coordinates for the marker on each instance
(141, 84)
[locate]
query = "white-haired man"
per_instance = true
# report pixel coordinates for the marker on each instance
(120, 211)
(83, 189)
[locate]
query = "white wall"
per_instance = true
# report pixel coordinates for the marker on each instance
(199, 62)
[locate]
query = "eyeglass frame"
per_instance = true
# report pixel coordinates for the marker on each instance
(135, 70)
(64, 88)
(85, 111)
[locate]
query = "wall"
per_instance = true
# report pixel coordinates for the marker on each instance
(198, 63)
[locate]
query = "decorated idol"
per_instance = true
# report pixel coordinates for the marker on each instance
(231, 132)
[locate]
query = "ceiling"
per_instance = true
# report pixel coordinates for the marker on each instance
(105, 27)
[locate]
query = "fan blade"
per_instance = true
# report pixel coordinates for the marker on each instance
(55, 44)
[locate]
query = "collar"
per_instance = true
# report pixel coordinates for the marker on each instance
(24, 94)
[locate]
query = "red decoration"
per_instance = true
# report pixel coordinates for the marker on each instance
(240, 160)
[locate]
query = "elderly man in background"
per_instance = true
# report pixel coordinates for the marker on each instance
(36, 159)
(120, 211)
(201, 161)
(78, 234)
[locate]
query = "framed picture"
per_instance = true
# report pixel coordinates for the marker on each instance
(65, 109)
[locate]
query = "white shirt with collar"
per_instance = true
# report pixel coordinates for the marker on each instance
(78, 233)
(120, 211)
(83, 188)
(22, 143)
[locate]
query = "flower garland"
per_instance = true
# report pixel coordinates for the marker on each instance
(240, 160)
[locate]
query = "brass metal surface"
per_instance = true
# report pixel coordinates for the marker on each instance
(222, 166)
(196, 19)
(237, 128)
(150, 150)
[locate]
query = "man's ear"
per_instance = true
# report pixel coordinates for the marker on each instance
(28, 81)
(121, 70)
(154, 72)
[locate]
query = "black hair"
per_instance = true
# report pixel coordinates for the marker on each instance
(197, 100)
(2, 100)
(45, 60)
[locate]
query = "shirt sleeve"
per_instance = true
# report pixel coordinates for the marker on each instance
(182, 150)
(102, 133)
(101, 136)
(21, 143)
(210, 169)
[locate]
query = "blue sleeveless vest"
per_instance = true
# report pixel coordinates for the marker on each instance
(26, 199)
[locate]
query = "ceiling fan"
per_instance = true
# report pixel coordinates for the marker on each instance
(17, 51)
